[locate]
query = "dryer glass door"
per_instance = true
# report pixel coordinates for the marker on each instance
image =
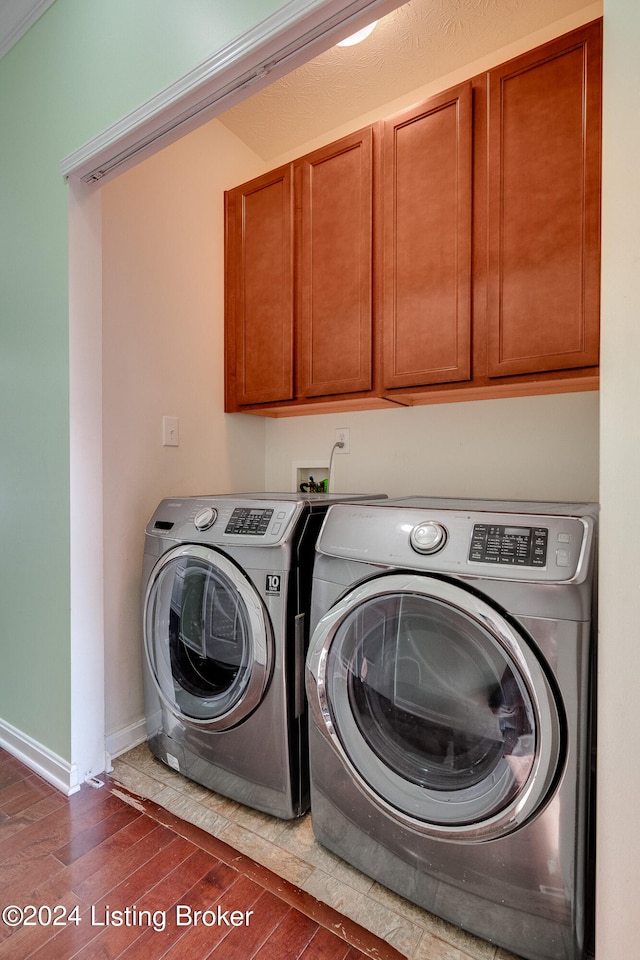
(207, 638)
(439, 706)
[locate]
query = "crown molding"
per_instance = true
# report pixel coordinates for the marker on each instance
(16, 16)
(294, 33)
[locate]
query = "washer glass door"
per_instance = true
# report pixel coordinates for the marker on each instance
(439, 706)
(208, 640)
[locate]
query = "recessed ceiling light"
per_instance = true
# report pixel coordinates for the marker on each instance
(358, 36)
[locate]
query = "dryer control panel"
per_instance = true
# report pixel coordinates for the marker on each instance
(502, 540)
(499, 543)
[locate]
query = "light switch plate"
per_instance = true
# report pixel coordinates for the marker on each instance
(170, 431)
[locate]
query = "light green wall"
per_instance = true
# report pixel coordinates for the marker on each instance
(81, 67)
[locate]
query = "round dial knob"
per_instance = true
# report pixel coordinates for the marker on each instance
(428, 537)
(205, 518)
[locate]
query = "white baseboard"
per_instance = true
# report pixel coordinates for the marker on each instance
(124, 739)
(52, 768)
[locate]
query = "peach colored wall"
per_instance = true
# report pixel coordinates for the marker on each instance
(163, 285)
(618, 852)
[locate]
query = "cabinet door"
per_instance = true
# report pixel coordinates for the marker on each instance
(334, 217)
(544, 207)
(259, 290)
(427, 242)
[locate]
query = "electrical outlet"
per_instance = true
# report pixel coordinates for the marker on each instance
(342, 436)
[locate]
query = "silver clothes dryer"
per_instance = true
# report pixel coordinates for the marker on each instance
(226, 590)
(449, 679)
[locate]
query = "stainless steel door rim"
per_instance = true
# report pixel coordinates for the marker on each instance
(481, 805)
(209, 710)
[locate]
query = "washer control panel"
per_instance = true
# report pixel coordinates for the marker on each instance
(226, 520)
(249, 521)
(499, 543)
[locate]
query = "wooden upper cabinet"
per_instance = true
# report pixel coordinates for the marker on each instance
(334, 255)
(451, 251)
(259, 284)
(427, 241)
(544, 207)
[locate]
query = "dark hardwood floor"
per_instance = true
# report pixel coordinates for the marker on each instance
(104, 875)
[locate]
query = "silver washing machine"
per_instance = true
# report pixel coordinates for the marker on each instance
(449, 679)
(226, 589)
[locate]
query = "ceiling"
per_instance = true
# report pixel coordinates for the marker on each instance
(419, 42)
(415, 44)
